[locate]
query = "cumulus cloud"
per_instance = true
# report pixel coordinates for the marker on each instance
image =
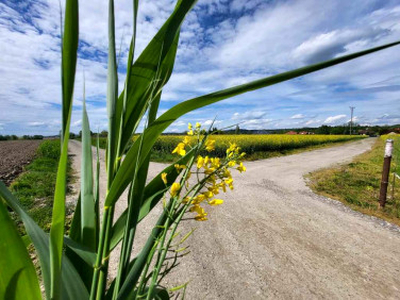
(334, 119)
(298, 116)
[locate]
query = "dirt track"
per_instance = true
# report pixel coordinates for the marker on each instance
(273, 238)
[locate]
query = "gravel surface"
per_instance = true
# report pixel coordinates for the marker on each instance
(273, 238)
(14, 155)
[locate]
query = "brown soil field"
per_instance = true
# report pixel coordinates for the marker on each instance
(14, 155)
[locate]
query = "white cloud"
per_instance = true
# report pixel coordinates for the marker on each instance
(298, 116)
(334, 119)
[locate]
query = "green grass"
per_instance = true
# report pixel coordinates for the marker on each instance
(357, 184)
(35, 187)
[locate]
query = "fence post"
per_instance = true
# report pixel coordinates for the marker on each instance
(385, 172)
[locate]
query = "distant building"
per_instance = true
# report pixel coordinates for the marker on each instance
(291, 132)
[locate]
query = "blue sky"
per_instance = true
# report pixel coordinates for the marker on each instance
(223, 43)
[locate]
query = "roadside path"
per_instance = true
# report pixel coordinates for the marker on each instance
(273, 238)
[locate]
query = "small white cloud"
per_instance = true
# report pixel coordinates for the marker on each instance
(334, 119)
(36, 124)
(298, 116)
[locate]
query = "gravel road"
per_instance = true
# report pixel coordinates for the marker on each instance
(273, 238)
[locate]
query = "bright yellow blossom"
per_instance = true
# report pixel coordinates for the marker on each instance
(210, 145)
(229, 182)
(198, 125)
(200, 162)
(232, 163)
(180, 149)
(175, 188)
(216, 202)
(186, 140)
(179, 167)
(241, 168)
(164, 177)
(208, 194)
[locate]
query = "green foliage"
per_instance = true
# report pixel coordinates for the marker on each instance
(18, 277)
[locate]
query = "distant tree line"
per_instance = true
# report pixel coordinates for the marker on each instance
(24, 137)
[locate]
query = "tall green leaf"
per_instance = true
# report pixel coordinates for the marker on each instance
(68, 67)
(72, 285)
(18, 278)
(112, 94)
(88, 212)
(127, 168)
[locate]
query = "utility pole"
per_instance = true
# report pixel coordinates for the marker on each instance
(351, 119)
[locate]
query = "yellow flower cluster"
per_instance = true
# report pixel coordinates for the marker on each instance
(217, 176)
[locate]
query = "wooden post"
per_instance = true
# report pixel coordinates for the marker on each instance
(385, 172)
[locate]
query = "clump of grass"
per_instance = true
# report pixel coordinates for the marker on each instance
(357, 185)
(35, 187)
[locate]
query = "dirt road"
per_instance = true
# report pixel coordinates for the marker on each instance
(273, 238)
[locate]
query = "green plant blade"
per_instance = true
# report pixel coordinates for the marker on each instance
(126, 170)
(58, 219)
(68, 64)
(68, 67)
(88, 211)
(151, 70)
(72, 285)
(18, 278)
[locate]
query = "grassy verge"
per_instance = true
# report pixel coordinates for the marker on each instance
(357, 184)
(34, 188)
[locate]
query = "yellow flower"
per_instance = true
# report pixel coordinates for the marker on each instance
(186, 140)
(201, 217)
(198, 125)
(199, 198)
(164, 177)
(215, 162)
(232, 163)
(229, 182)
(200, 162)
(180, 149)
(186, 200)
(175, 188)
(190, 132)
(206, 160)
(231, 148)
(216, 202)
(201, 214)
(190, 127)
(208, 194)
(241, 168)
(179, 167)
(210, 145)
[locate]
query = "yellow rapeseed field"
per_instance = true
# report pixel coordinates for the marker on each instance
(256, 143)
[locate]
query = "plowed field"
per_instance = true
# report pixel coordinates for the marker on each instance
(14, 155)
